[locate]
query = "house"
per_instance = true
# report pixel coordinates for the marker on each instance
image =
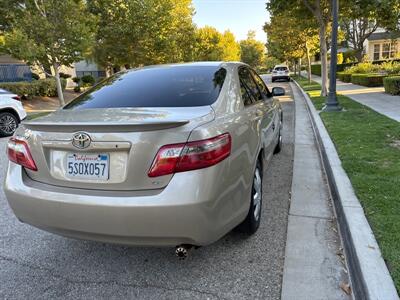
(12, 70)
(382, 45)
(85, 67)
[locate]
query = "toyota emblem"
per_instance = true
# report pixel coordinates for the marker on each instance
(81, 140)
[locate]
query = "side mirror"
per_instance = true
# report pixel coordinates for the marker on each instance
(278, 91)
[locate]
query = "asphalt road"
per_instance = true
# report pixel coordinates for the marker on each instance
(39, 265)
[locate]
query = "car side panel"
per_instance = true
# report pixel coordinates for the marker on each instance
(6, 102)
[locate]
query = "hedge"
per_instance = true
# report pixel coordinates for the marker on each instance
(343, 76)
(370, 80)
(379, 62)
(316, 70)
(392, 85)
(42, 87)
(342, 67)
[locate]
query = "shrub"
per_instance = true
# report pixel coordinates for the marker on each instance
(392, 85)
(390, 67)
(64, 75)
(350, 56)
(344, 76)
(370, 80)
(88, 80)
(41, 87)
(316, 70)
(77, 89)
(363, 68)
(35, 76)
(340, 58)
(77, 80)
(345, 66)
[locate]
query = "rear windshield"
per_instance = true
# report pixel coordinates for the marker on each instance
(281, 69)
(163, 86)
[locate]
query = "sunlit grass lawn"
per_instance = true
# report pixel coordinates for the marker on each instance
(368, 144)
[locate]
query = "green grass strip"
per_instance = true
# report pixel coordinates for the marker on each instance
(368, 145)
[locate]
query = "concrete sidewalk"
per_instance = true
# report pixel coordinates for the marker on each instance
(374, 98)
(314, 266)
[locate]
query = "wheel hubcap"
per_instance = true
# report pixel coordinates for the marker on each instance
(8, 124)
(257, 194)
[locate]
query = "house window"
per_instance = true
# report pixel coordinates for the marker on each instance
(393, 50)
(386, 50)
(377, 51)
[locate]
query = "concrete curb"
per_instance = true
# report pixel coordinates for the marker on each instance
(369, 275)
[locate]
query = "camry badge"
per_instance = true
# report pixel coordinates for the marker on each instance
(81, 140)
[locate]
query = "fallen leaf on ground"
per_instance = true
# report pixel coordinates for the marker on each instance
(346, 288)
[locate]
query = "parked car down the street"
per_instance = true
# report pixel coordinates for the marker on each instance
(11, 112)
(164, 155)
(280, 72)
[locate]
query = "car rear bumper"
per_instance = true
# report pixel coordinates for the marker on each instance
(149, 218)
(277, 77)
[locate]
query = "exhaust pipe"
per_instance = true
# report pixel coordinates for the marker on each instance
(182, 251)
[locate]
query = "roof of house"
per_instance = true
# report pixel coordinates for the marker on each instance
(383, 36)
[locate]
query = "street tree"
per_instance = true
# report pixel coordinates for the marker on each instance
(358, 20)
(132, 33)
(252, 50)
(388, 14)
(291, 40)
(321, 11)
(208, 44)
(230, 47)
(51, 34)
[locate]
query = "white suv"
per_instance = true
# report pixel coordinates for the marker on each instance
(11, 112)
(280, 72)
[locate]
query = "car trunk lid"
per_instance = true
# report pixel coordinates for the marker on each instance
(124, 140)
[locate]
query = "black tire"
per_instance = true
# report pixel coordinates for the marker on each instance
(8, 123)
(273, 80)
(278, 146)
(250, 225)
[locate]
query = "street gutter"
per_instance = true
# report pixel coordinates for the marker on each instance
(369, 275)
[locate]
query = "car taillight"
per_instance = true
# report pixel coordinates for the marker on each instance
(18, 152)
(16, 98)
(191, 156)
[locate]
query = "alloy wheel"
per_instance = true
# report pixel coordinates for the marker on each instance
(257, 194)
(8, 124)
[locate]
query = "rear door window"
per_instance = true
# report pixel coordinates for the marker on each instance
(160, 86)
(281, 69)
(246, 79)
(261, 85)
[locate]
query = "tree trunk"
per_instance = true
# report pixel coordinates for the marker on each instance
(299, 67)
(324, 59)
(308, 63)
(58, 84)
(359, 54)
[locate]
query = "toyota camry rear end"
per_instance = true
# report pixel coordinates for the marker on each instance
(152, 156)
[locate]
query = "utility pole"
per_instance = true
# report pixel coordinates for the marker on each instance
(332, 103)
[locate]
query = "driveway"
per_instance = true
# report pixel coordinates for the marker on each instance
(36, 264)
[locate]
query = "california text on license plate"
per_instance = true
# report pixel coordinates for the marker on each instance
(88, 165)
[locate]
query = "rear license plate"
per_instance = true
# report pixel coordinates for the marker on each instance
(92, 166)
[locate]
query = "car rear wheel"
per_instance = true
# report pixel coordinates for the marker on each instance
(252, 221)
(8, 123)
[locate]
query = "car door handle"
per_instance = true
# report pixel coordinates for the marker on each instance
(273, 126)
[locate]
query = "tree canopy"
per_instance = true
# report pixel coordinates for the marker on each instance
(50, 34)
(135, 33)
(252, 51)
